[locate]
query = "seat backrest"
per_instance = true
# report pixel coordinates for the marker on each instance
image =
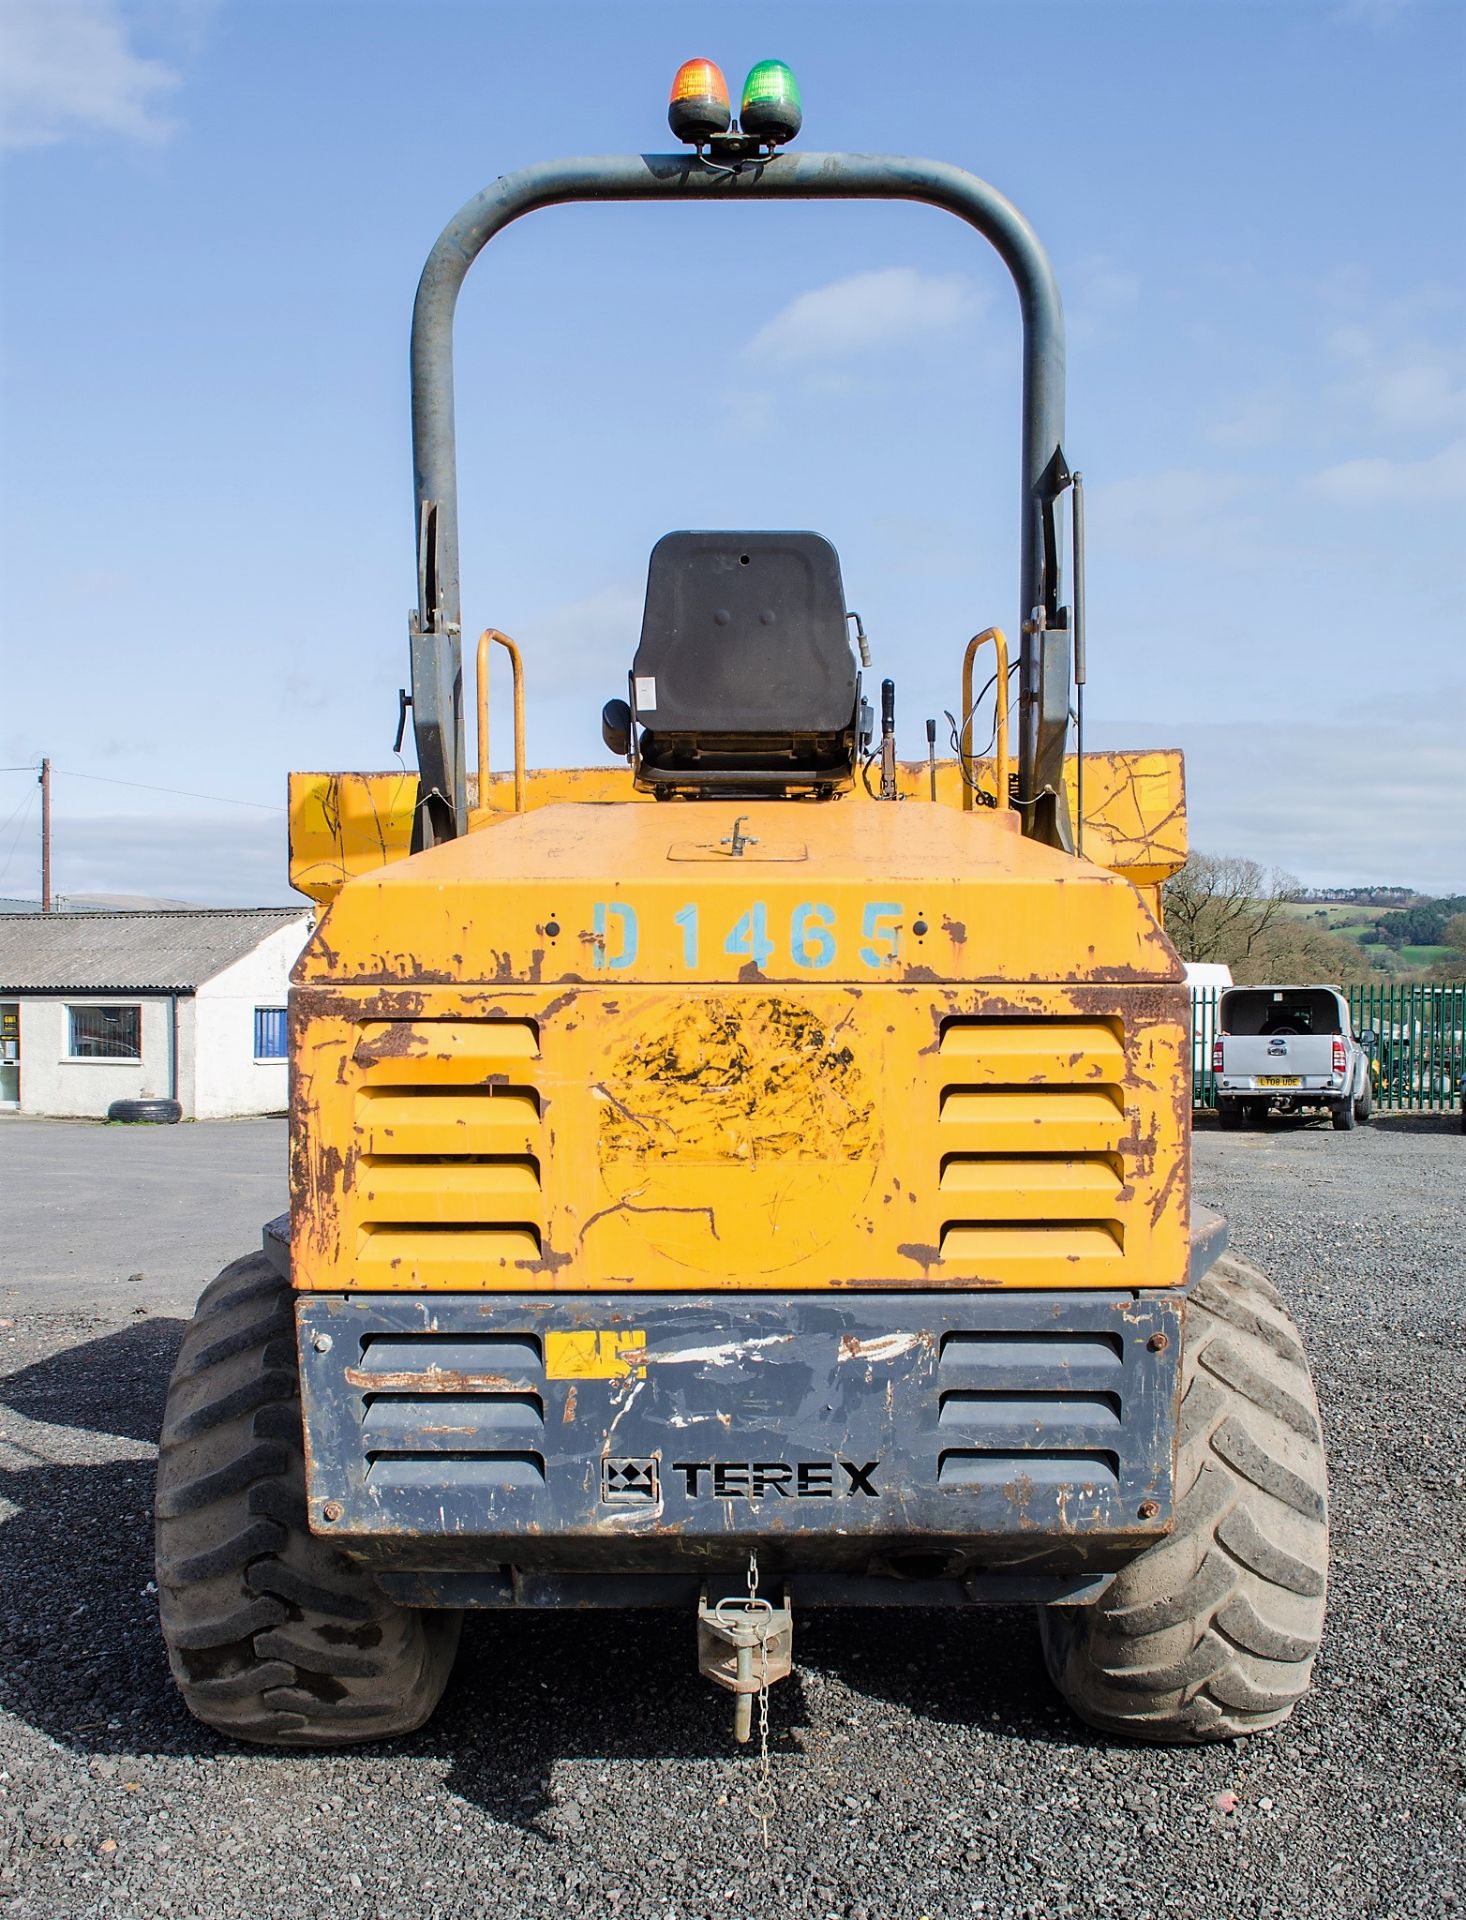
(744, 633)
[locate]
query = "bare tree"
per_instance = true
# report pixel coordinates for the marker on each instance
(1218, 907)
(1290, 949)
(1453, 966)
(1230, 910)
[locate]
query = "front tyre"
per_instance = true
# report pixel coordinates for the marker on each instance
(1212, 1632)
(273, 1635)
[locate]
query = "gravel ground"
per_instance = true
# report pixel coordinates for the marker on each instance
(578, 1765)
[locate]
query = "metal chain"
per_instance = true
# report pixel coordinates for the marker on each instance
(765, 1802)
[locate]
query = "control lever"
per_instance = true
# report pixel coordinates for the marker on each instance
(404, 701)
(888, 741)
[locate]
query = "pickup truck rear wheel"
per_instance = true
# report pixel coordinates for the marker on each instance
(1364, 1105)
(1344, 1116)
(1229, 1115)
(273, 1635)
(1212, 1632)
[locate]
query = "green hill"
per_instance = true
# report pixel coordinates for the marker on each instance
(1395, 941)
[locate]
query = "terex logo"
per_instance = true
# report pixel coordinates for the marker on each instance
(757, 1479)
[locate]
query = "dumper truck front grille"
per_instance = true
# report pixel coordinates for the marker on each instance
(448, 1132)
(759, 1138)
(586, 1425)
(1048, 1405)
(469, 1406)
(1031, 1124)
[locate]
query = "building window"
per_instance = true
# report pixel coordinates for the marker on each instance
(106, 1033)
(269, 1033)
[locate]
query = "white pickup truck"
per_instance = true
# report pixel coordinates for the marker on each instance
(1289, 1048)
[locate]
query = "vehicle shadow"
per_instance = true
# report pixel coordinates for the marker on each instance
(1388, 1122)
(1448, 1120)
(532, 1689)
(81, 1659)
(1443, 1120)
(115, 1384)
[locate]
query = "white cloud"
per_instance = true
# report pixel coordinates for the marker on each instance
(1380, 481)
(69, 68)
(1272, 791)
(863, 313)
(1383, 384)
(206, 860)
(586, 641)
(1172, 497)
(1374, 13)
(577, 654)
(1404, 387)
(1416, 398)
(1256, 421)
(751, 412)
(1184, 516)
(1098, 291)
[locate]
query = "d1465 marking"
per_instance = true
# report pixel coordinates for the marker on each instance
(813, 940)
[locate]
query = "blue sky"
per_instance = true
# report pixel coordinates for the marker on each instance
(212, 223)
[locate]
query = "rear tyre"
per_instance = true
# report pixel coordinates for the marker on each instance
(1212, 1632)
(1229, 1115)
(1256, 1111)
(1344, 1117)
(1364, 1105)
(272, 1634)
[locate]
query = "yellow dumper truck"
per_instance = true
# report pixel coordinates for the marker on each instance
(753, 1174)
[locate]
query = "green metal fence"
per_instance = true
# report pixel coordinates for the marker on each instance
(1419, 1053)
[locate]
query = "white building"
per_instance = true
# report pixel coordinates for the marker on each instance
(182, 1005)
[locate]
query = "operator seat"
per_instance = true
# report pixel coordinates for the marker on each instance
(743, 680)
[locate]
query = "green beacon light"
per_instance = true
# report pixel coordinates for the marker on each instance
(771, 110)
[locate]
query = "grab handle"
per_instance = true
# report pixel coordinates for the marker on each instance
(516, 666)
(1000, 647)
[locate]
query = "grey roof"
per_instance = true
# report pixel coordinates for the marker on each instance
(131, 952)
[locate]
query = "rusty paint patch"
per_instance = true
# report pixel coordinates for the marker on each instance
(726, 1080)
(438, 1380)
(396, 1040)
(886, 1346)
(925, 1257)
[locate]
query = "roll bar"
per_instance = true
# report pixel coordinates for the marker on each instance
(436, 645)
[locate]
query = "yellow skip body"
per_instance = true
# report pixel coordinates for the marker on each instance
(593, 1047)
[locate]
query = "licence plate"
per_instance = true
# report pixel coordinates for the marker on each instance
(1280, 1080)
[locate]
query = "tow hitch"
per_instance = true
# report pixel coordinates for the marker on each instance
(745, 1643)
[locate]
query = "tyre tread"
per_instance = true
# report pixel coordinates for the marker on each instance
(273, 1635)
(1212, 1633)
